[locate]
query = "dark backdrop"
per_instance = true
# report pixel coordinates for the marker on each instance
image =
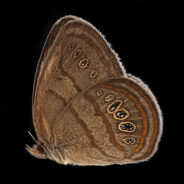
(138, 32)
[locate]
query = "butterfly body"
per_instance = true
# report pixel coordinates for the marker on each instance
(86, 109)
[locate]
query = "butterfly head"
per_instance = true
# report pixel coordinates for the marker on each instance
(37, 150)
(42, 151)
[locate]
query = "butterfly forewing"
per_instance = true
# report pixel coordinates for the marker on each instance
(75, 57)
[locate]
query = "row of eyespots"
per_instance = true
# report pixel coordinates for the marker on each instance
(114, 108)
(121, 114)
(83, 63)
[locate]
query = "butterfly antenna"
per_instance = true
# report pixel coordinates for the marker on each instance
(32, 137)
(27, 147)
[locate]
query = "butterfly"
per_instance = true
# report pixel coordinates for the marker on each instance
(86, 109)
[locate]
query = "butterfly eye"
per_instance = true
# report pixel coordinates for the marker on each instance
(121, 114)
(127, 127)
(83, 63)
(129, 140)
(40, 149)
(114, 106)
(77, 54)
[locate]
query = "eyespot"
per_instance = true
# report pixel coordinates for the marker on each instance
(121, 114)
(108, 98)
(71, 46)
(77, 53)
(99, 92)
(83, 63)
(93, 74)
(127, 127)
(114, 106)
(129, 140)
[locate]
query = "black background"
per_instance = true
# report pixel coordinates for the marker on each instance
(139, 31)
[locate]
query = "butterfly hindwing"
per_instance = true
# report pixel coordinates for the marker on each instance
(115, 121)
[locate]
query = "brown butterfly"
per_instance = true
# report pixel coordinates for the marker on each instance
(86, 109)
